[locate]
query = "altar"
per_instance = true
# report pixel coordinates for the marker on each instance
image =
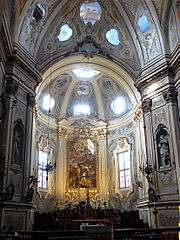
(95, 228)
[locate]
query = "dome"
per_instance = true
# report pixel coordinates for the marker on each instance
(84, 90)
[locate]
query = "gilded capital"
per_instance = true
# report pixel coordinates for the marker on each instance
(62, 133)
(138, 114)
(101, 134)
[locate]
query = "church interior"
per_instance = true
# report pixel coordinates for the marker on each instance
(89, 119)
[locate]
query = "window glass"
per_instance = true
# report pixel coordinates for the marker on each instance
(65, 33)
(48, 102)
(124, 169)
(81, 109)
(143, 23)
(118, 105)
(42, 171)
(85, 72)
(113, 37)
(39, 12)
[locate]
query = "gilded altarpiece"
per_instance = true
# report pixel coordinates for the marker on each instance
(82, 158)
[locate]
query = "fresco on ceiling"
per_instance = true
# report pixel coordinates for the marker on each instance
(90, 12)
(82, 158)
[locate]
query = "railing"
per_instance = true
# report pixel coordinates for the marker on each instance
(119, 234)
(146, 234)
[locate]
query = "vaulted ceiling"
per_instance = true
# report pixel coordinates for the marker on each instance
(136, 49)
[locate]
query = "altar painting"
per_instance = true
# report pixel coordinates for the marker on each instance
(82, 156)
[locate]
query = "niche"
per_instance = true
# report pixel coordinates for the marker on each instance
(162, 145)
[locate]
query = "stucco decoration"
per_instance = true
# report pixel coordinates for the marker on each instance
(31, 28)
(150, 40)
(57, 89)
(173, 31)
(110, 90)
(97, 92)
(37, 37)
(83, 94)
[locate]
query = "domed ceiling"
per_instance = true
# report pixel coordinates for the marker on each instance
(125, 31)
(84, 92)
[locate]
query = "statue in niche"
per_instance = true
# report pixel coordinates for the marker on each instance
(163, 150)
(17, 143)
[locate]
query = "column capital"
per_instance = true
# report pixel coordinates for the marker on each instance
(170, 95)
(31, 100)
(62, 133)
(146, 105)
(138, 114)
(11, 87)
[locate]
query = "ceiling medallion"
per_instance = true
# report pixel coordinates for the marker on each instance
(90, 12)
(82, 90)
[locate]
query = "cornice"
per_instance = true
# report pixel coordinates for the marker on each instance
(6, 47)
(165, 66)
(25, 61)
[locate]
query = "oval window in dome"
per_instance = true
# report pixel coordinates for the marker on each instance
(118, 105)
(143, 23)
(65, 33)
(113, 37)
(48, 103)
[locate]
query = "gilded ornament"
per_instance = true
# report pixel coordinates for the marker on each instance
(62, 133)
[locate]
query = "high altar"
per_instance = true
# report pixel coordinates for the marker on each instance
(82, 165)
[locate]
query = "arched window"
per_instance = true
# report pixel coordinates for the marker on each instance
(122, 155)
(124, 169)
(42, 169)
(43, 159)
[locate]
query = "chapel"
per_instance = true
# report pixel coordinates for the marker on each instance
(89, 119)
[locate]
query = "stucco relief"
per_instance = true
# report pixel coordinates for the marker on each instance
(31, 29)
(88, 39)
(15, 220)
(159, 117)
(168, 218)
(150, 40)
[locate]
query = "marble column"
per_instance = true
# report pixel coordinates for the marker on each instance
(61, 167)
(28, 141)
(9, 104)
(103, 173)
(150, 158)
(170, 96)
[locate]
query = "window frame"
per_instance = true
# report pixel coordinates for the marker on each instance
(43, 170)
(122, 146)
